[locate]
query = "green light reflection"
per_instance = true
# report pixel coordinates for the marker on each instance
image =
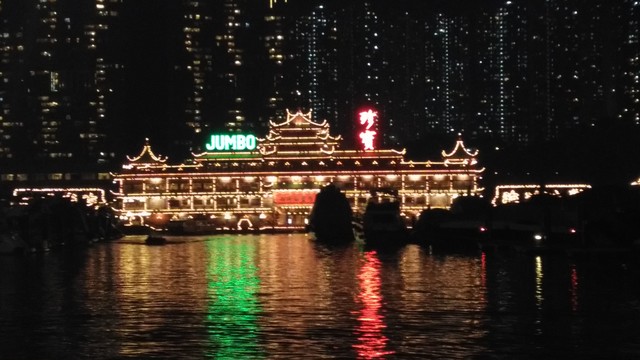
(233, 308)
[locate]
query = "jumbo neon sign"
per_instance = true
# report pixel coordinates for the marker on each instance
(235, 142)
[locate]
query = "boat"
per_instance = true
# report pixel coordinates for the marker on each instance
(331, 216)
(462, 227)
(380, 223)
(155, 240)
(134, 229)
(543, 220)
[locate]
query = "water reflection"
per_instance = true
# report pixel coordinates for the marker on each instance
(574, 288)
(283, 296)
(371, 340)
(233, 307)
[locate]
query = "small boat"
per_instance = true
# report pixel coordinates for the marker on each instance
(331, 216)
(461, 228)
(155, 240)
(134, 229)
(380, 224)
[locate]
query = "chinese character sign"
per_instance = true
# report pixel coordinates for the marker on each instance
(367, 120)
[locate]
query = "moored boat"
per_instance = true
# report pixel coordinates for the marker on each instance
(155, 240)
(463, 227)
(380, 224)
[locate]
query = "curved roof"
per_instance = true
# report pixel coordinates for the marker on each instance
(459, 151)
(147, 155)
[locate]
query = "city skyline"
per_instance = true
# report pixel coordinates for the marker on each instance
(86, 84)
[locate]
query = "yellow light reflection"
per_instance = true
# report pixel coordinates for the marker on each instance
(539, 278)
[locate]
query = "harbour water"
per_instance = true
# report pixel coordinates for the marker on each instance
(284, 296)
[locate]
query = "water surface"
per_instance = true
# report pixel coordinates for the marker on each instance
(284, 296)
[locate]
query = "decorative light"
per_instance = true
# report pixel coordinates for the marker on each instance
(367, 119)
(235, 142)
(309, 142)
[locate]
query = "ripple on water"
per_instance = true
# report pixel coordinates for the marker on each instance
(282, 296)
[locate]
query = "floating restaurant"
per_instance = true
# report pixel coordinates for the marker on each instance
(243, 182)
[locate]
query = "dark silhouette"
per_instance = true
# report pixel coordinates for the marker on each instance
(331, 216)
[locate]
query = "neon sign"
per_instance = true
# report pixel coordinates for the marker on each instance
(294, 197)
(367, 119)
(236, 142)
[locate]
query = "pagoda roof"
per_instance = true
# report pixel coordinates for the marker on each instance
(459, 151)
(298, 118)
(147, 156)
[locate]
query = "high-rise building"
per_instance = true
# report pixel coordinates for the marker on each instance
(447, 64)
(197, 63)
(60, 82)
(278, 81)
(235, 90)
(630, 18)
(519, 71)
(315, 61)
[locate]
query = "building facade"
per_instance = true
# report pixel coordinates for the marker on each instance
(245, 182)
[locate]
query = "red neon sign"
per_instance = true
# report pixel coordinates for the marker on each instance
(294, 197)
(367, 120)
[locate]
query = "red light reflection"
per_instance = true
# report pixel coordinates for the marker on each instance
(574, 288)
(371, 340)
(483, 264)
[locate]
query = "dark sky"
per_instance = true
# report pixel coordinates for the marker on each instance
(150, 31)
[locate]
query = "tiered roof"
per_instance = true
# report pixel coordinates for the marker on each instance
(460, 155)
(298, 136)
(298, 144)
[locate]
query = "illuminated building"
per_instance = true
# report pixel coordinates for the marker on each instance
(234, 57)
(198, 62)
(631, 70)
(316, 62)
(59, 90)
(507, 194)
(273, 186)
(276, 37)
(447, 94)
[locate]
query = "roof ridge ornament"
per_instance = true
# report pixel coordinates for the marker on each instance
(460, 150)
(147, 155)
